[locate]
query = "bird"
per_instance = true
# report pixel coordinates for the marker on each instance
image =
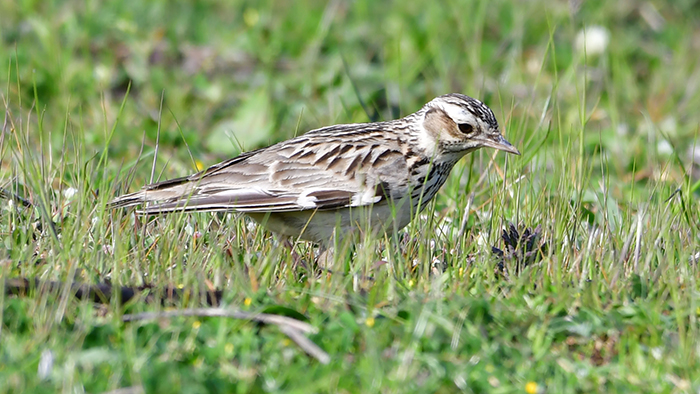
(337, 181)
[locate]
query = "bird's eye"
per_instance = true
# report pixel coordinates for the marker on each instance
(465, 128)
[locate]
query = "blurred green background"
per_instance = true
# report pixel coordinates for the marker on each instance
(246, 74)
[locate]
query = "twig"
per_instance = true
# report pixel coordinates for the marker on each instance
(292, 328)
(232, 313)
(306, 344)
(8, 195)
(127, 390)
(104, 293)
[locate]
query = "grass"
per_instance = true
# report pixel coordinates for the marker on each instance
(611, 304)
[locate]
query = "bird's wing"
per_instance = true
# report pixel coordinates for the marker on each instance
(318, 170)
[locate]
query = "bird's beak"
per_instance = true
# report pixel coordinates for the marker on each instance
(501, 144)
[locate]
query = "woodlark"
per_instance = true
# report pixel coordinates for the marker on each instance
(342, 179)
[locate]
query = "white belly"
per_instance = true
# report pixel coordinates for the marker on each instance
(321, 226)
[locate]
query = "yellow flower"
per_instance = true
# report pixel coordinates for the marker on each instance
(199, 165)
(251, 17)
(196, 324)
(247, 301)
(369, 322)
(531, 388)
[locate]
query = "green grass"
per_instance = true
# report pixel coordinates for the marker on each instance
(91, 88)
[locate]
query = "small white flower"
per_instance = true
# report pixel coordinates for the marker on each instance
(102, 74)
(483, 241)
(694, 153)
(250, 226)
(664, 148)
(593, 40)
(70, 192)
(45, 364)
(669, 125)
(622, 129)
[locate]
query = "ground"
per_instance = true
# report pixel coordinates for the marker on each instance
(592, 289)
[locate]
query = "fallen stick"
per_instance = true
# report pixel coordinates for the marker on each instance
(104, 293)
(294, 329)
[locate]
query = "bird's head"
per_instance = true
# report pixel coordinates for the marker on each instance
(456, 124)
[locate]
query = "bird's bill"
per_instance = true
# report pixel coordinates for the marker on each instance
(501, 144)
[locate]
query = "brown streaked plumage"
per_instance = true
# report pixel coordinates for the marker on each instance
(347, 177)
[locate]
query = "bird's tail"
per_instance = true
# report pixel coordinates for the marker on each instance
(162, 193)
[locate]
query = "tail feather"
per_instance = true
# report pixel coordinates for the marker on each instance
(169, 190)
(183, 195)
(128, 200)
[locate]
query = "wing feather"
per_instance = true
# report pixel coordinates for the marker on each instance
(318, 170)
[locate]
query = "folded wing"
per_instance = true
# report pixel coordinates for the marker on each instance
(318, 170)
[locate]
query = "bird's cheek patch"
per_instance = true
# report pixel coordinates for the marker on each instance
(440, 126)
